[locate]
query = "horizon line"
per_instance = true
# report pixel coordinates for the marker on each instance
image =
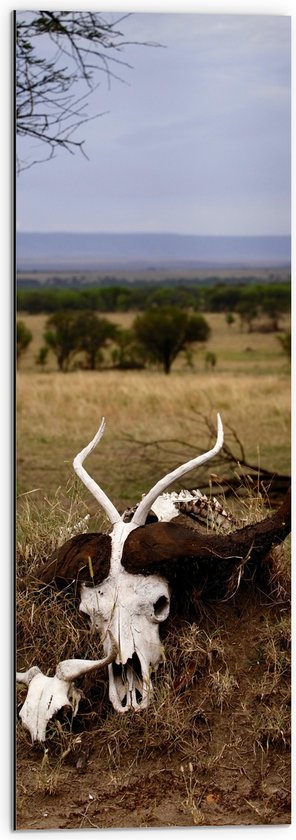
(152, 233)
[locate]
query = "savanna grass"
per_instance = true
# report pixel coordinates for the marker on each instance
(58, 414)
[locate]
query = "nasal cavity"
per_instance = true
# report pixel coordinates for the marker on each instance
(121, 669)
(161, 606)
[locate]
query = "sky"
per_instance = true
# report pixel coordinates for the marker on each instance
(195, 139)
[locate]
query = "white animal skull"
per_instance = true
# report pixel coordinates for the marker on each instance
(131, 607)
(47, 695)
(125, 601)
(125, 608)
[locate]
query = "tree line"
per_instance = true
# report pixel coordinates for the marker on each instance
(248, 300)
(77, 339)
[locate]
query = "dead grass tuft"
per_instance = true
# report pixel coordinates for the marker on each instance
(190, 803)
(45, 522)
(49, 628)
(272, 726)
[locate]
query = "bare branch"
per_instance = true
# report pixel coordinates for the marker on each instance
(238, 471)
(48, 107)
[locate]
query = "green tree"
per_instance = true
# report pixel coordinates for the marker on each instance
(230, 319)
(197, 329)
(128, 353)
(23, 338)
(93, 334)
(222, 297)
(247, 310)
(275, 302)
(165, 332)
(210, 360)
(61, 337)
(174, 295)
(41, 357)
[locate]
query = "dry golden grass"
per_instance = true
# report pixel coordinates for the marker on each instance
(57, 414)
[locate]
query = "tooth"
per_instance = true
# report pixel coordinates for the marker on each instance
(135, 703)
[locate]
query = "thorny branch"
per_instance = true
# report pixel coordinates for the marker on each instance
(55, 51)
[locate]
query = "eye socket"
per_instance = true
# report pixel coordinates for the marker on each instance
(161, 607)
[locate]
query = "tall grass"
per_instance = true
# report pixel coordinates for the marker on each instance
(57, 414)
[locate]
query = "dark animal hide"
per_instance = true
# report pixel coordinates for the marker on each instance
(190, 560)
(83, 558)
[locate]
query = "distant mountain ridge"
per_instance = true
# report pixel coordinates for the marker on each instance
(71, 251)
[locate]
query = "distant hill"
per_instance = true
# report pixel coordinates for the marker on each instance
(82, 251)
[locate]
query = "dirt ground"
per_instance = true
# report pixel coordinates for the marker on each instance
(229, 766)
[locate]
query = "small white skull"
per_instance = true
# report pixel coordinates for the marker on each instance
(47, 695)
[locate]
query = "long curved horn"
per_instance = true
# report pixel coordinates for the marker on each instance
(140, 515)
(89, 482)
(71, 669)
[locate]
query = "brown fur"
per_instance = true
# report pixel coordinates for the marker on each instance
(70, 562)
